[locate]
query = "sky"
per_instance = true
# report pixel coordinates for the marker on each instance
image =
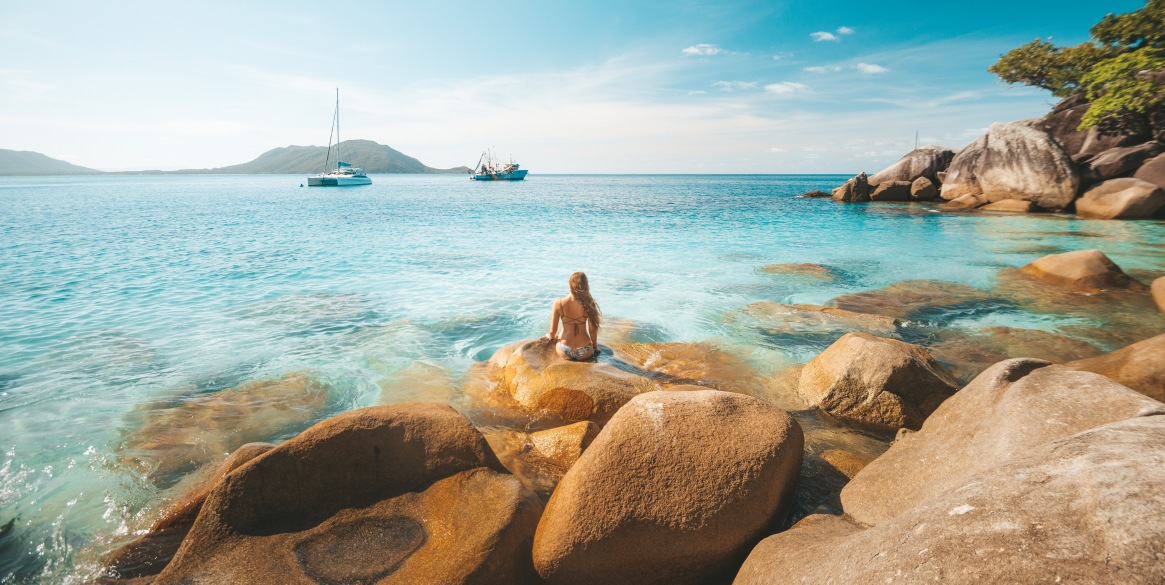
(777, 86)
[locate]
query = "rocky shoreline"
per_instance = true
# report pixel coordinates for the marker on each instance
(1038, 165)
(895, 453)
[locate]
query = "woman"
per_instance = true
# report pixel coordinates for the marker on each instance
(580, 316)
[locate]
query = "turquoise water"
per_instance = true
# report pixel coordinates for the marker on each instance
(130, 293)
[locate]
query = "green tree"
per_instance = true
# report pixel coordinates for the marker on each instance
(1119, 71)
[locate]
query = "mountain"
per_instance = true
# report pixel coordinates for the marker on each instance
(365, 154)
(25, 162)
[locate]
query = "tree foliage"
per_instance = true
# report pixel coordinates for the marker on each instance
(1108, 69)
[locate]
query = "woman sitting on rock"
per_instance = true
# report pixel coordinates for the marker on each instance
(580, 316)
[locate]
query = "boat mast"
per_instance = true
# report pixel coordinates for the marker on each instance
(338, 157)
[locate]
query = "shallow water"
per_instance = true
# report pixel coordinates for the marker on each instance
(124, 295)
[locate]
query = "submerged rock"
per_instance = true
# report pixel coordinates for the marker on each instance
(650, 502)
(1047, 470)
(914, 299)
(818, 271)
(925, 162)
(391, 494)
(814, 194)
(1126, 198)
(1140, 366)
(1083, 270)
(1010, 205)
(884, 383)
(968, 355)
(178, 438)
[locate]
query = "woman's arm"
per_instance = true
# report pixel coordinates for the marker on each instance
(593, 329)
(555, 315)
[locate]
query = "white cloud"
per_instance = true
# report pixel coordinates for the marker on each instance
(697, 92)
(823, 36)
(779, 56)
(823, 69)
(776, 149)
(870, 68)
(845, 30)
(786, 88)
(703, 49)
(735, 85)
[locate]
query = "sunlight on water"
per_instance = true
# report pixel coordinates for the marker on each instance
(151, 324)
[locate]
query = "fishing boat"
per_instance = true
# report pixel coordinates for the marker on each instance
(489, 169)
(344, 174)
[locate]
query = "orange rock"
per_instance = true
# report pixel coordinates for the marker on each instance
(1140, 366)
(1084, 270)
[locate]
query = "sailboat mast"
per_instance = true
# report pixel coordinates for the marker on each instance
(338, 157)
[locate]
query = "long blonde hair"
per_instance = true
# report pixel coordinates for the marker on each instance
(581, 291)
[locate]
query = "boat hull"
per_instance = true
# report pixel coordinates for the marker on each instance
(337, 181)
(514, 176)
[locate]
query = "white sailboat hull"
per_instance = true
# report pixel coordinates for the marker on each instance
(334, 181)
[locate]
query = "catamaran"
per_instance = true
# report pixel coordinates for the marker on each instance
(489, 169)
(344, 174)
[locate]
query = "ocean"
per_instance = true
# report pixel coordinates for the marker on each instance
(128, 302)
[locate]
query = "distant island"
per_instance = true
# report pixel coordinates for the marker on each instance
(366, 154)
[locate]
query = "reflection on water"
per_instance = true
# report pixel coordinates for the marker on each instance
(151, 323)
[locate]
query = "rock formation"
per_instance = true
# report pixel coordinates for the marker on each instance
(1140, 366)
(926, 161)
(1022, 163)
(1126, 198)
(675, 487)
(923, 189)
(1082, 270)
(891, 191)
(960, 178)
(407, 493)
(1032, 473)
(884, 383)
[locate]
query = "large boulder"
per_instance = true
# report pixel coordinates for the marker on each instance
(1050, 471)
(927, 162)
(923, 189)
(855, 190)
(1063, 124)
(1082, 270)
(676, 487)
(1140, 366)
(1158, 290)
(150, 553)
(1024, 163)
(1010, 206)
(1126, 198)
(891, 191)
(531, 377)
(1153, 171)
(960, 179)
(406, 493)
(884, 383)
(1118, 162)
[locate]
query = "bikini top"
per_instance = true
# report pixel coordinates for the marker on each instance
(579, 320)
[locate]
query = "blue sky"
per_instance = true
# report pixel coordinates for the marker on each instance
(620, 87)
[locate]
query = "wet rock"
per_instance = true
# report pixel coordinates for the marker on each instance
(1076, 511)
(530, 378)
(1010, 205)
(914, 299)
(923, 189)
(817, 271)
(150, 553)
(1082, 270)
(1153, 171)
(960, 178)
(855, 190)
(699, 364)
(966, 356)
(562, 446)
(798, 318)
(177, 438)
(1023, 163)
(891, 191)
(1158, 290)
(649, 502)
(541, 458)
(846, 462)
(418, 382)
(968, 201)
(1118, 162)
(1140, 366)
(926, 162)
(883, 383)
(1048, 468)
(391, 494)
(1126, 198)
(814, 194)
